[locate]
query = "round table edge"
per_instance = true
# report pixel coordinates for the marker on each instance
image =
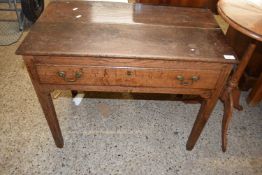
(237, 26)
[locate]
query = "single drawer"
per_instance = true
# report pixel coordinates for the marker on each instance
(128, 76)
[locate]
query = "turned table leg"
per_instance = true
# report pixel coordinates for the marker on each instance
(46, 102)
(231, 93)
(228, 111)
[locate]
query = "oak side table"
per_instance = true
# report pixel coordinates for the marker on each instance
(246, 17)
(118, 47)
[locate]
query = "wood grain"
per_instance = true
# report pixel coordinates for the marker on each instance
(244, 15)
(129, 76)
(116, 47)
(182, 39)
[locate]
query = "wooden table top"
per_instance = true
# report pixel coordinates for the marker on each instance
(110, 29)
(244, 15)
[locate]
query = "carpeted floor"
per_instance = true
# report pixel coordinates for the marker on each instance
(115, 134)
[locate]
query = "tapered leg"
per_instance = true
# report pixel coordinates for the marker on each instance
(202, 117)
(197, 128)
(47, 105)
(46, 102)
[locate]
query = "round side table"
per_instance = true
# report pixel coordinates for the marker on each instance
(246, 17)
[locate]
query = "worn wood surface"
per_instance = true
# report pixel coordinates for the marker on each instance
(116, 47)
(100, 36)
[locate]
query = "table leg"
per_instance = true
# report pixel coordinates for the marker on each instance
(206, 108)
(231, 93)
(46, 102)
(255, 95)
(209, 101)
(74, 93)
(228, 111)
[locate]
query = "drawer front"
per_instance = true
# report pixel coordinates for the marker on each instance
(128, 76)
